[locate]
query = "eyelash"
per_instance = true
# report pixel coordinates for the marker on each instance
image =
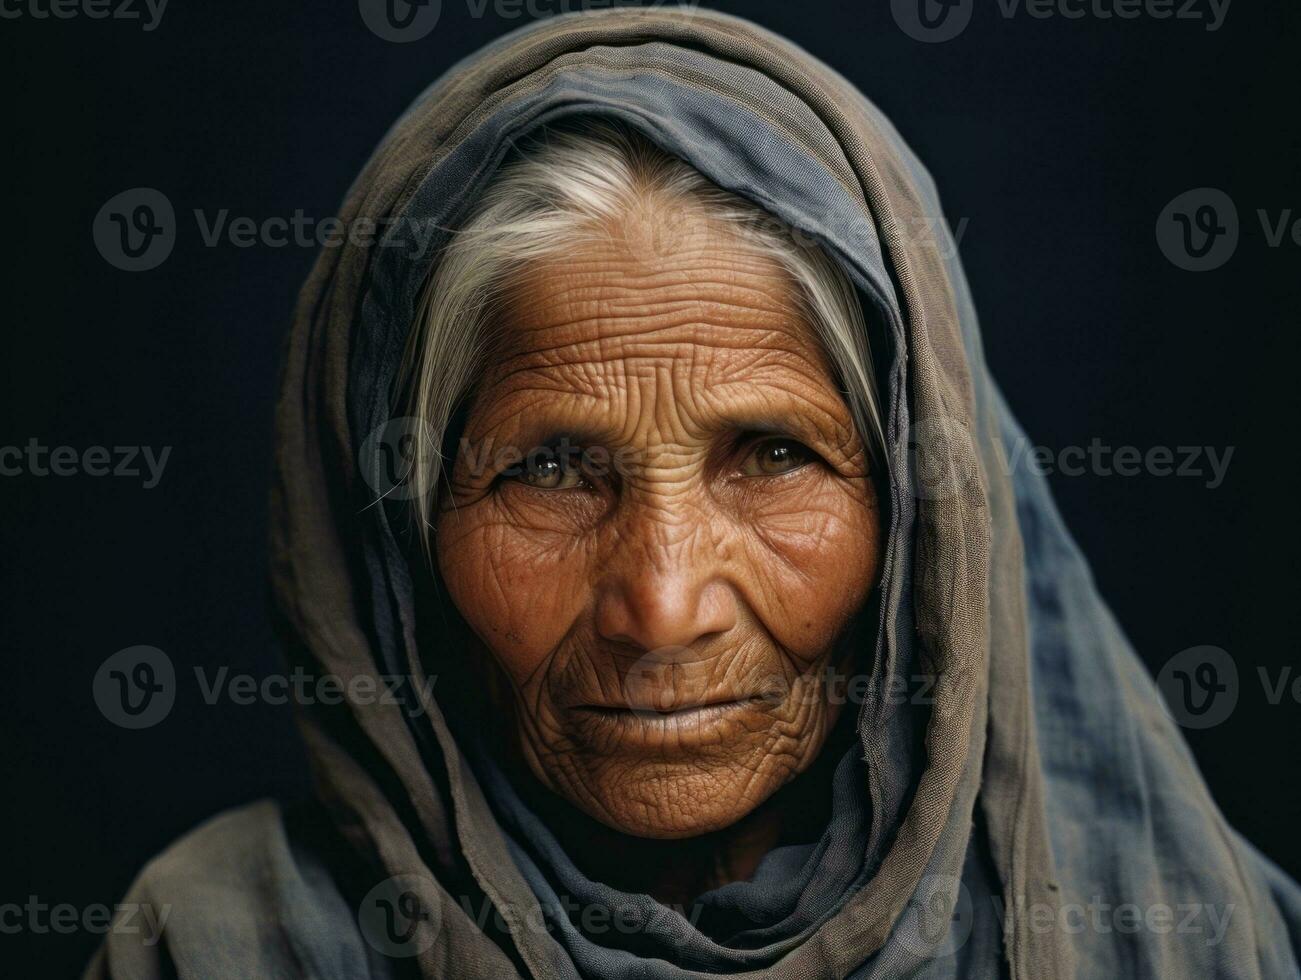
(569, 467)
(799, 456)
(751, 464)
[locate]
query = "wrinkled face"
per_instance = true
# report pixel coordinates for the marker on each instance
(664, 576)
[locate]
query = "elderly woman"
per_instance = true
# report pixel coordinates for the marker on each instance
(654, 439)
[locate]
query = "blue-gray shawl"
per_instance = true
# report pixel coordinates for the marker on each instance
(1050, 822)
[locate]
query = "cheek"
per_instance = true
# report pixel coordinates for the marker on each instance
(813, 556)
(519, 586)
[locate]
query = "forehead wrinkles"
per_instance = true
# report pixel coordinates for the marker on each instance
(631, 282)
(671, 390)
(662, 338)
(588, 305)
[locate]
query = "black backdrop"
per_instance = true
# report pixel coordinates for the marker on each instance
(1056, 142)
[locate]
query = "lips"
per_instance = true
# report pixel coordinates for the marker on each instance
(679, 726)
(663, 708)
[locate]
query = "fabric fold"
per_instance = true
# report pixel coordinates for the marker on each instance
(967, 805)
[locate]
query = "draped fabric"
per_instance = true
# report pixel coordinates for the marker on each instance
(1038, 778)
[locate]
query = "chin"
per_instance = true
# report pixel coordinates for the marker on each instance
(671, 775)
(677, 802)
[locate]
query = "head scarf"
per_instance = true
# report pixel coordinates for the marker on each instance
(1040, 775)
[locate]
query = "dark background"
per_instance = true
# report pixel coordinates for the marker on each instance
(1059, 142)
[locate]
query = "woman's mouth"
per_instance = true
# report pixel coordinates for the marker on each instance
(669, 726)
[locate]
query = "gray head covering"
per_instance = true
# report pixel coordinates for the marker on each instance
(1039, 776)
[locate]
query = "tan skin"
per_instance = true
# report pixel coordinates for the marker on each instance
(665, 609)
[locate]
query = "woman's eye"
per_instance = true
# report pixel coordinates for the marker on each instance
(773, 457)
(551, 472)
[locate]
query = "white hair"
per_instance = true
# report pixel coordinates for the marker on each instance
(565, 188)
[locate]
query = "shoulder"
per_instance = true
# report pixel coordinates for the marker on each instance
(240, 895)
(219, 853)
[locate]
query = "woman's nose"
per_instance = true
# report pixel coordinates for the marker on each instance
(655, 607)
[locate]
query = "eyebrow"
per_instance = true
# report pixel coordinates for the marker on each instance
(574, 435)
(798, 426)
(584, 424)
(766, 425)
